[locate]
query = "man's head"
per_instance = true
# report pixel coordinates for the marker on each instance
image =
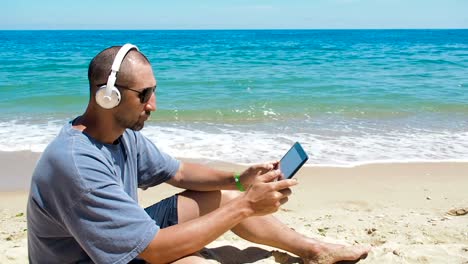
(100, 67)
(135, 82)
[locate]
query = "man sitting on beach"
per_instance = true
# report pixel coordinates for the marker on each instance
(83, 205)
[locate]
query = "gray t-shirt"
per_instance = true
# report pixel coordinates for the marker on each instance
(83, 204)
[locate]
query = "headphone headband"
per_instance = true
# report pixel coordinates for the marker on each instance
(116, 66)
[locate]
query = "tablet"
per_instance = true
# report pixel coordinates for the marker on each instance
(293, 160)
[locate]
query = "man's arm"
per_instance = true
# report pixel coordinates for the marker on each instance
(264, 197)
(198, 177)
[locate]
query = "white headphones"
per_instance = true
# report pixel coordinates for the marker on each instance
(108, 96)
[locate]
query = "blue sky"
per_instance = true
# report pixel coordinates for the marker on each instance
(232, 14)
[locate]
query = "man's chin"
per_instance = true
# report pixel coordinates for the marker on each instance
(139, 124)
(137, 127)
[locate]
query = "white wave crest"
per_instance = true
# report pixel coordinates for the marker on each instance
(239, 144)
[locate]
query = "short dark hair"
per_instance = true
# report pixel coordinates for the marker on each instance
(100, 66)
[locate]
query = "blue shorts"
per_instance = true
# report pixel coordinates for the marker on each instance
(164, 212)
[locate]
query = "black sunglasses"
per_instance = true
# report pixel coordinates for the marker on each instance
(144, 94)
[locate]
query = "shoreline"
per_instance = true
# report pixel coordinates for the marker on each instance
(326, 145)
(401, 209)
(17, 166)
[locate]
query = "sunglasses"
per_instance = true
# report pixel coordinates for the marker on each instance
(144, 94)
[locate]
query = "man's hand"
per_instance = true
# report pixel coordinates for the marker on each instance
(249, 176)
(266, 195)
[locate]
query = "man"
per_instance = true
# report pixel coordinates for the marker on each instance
(83, 199)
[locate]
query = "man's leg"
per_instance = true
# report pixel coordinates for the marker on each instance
(267, 230)
(165, 213)
(195, 258)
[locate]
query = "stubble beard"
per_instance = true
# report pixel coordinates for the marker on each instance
(133, 125)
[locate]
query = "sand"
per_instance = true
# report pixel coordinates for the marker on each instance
(408, 212)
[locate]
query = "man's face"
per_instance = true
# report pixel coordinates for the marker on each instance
(132, 113)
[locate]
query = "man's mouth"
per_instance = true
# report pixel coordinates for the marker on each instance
(146, 116)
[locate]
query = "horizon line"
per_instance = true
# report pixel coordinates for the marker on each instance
(215, 29)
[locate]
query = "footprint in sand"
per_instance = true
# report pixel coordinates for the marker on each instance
(458, 212)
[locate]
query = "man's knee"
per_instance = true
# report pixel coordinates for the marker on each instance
(211, 197)
(193, 204)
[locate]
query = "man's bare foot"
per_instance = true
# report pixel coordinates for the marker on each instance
(325, 253)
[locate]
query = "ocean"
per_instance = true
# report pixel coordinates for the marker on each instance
(245, 96)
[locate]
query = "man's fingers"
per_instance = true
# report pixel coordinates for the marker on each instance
(265, 166)
(283, 184)
(285, 192)
(284, 200)
(270, 176)
(268, 165)
(275, 164)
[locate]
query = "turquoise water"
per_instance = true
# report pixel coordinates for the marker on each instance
(349, 96)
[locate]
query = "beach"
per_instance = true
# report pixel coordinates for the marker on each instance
(409, 212)
(383, 115)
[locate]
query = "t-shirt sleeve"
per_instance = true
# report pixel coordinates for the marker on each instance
(109, 225)
(93, 206)
(154, 166)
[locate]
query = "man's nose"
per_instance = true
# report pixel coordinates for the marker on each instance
(151, 104)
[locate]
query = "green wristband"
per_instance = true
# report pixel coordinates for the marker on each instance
(238, 183)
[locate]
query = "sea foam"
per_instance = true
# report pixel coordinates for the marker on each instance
(255, 144)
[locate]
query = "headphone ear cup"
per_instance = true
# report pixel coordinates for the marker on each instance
(108, 102)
